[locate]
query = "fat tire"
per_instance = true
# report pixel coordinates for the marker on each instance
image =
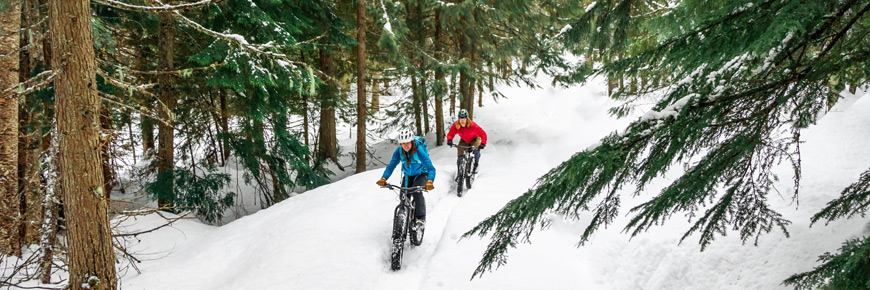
(399, 231)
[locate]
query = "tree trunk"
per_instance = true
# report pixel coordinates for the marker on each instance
(328, 147)
(415, 94)
(28, 141)
(453, 91)
(361, 86)
(77, 107)
(465, 82)
(147, 125)
(49, 185)
(225, 127)
(108, 173)
(10, 215)
(376, 96)
(424, 104)
(440, 84)
(166, 109)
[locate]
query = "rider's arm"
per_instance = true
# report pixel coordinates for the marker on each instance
(424, 157)
(452, 132)
(482, 134)
(393, 162)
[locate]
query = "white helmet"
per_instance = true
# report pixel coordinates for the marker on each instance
(405, 136)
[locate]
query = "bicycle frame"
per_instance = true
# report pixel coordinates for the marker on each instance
(464, 175)
(402, 222)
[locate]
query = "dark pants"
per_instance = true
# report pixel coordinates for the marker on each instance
(419, 202)
(460, 151)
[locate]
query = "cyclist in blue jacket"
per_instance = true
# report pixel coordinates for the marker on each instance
(417, 169)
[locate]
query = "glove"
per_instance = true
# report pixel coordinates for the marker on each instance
(450, 143)
(382, 182)
(481, 146)
(429, 185)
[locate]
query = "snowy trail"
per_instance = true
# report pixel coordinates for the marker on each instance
(338, 236)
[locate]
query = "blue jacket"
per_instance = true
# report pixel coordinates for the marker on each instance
(420, 163)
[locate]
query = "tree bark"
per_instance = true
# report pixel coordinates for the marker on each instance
(166, 109)
(29, 147)
(328, 147)
(225, 127)
(147, 126)
(376, 96)
(440, 84)
(10, 214)
(108, 172)
(361, 86)
(415, 94)
(77, 108)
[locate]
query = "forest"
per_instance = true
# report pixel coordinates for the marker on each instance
(104, 99)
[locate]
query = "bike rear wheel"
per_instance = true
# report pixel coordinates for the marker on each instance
(468, 175)
(400, 227)
(460, 176)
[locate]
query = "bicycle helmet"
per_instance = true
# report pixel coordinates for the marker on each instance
(463, 114)
(405, 136)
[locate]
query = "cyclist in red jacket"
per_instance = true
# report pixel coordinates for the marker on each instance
(470, 134)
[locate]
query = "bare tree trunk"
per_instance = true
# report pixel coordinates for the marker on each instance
(28, 140)
(225, 127)
(10, 215)
(453, 91)
(328, 145)
(77, 108)
(147, 126)
(415, 94)
(424, 104)
(440, 84)
(376, 96)
(49, 219)
(166, 109)
(361, 86)
(108, 173)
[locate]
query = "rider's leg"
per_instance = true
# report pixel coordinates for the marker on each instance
(476, 142)
(459, 151)
(419, 201)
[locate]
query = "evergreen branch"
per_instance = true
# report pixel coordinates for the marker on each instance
(33, 84)
(143, 89)
(240, 40)
(845, 270)
(853, 201)
(141, 110)
(177, 72)
(162, 8)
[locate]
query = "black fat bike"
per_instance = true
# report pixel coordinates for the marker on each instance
(464, 173)
(404, 223)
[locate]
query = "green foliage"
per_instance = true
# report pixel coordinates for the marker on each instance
(849, 269)
(741, 79)
(853, 201)
(202, 194)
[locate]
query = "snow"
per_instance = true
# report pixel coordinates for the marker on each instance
(591, 5)
(388, 26)
(670, 111)
(338, 236)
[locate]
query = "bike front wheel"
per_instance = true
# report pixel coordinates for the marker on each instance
(400, 227)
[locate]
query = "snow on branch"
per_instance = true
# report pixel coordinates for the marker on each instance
(33, 84)
(163, 7)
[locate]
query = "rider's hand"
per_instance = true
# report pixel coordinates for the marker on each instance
(382, 182)
(429, 185)
(481, 146)
(450, 143)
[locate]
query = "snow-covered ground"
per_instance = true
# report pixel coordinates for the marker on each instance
(338, 236)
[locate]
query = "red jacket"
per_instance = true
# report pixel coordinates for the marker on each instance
(467, 133)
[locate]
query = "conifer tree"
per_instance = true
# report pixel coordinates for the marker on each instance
(741, 80)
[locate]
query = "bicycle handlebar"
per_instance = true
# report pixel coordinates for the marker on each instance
(412, 188)
(464, 147)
